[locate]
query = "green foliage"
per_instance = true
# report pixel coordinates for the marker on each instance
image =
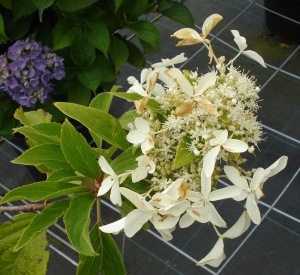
(32, 258)
(183, 155)
(77, 221)
(109, 261)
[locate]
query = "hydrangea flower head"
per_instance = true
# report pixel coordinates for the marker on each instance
(27, 70)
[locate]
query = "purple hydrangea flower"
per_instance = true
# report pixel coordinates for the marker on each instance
(27, 70)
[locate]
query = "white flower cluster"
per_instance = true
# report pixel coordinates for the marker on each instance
(201, 122)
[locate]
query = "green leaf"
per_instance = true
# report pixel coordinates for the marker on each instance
(41, 133)
(109, 260)
(118, 52)
(97, 35)
(127, 118)
(74, 5)
(77, 221)
(44, 190)
(32, 258)
(78, 152)
(125, 161)
(106, 67)
(135, 56)
(32, 117)
(47, 154)
(117, 4)
(183, 155)
(78, 93)
(146, 32)
(133, 9)
(90, 78)
(101, 102)
(83, 54)
(2, 31)
(64, 32)
(98, 122)
(42, 221)
(64, 175)
(21, 8)
(179, 12)
(42, 5)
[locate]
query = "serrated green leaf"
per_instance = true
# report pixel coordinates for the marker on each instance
(64, 175)
(42, 221)
(98, 122)
(32, 117)
(179, 12)
(64, 32)
(109, 260)
(77, 221)
(48, 154)
(147, 32)
(118, 52)
(74, 5)
(101, 102)
(21, 8)
(183, 155)
(97, 35)
(43, 190)
(127, 118)
(82, 53)
(78, 93)
(32, 258)
(2, 31)
(78, 152)
(41, 133)
(90, 77)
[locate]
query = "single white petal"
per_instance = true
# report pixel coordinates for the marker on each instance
(241, 42)
(114, 227)
(215, 256)
(235, 146)
(205, 183)
(256, 57)
(106, 184)
(186, 221)
(175, 210)
(225, 193)
(131, 80)
(180, 79)
(172, 190)
(115, 195)
(187, 33)
(158, 90)
(194, 196)
(235, 33)
(151, 80)
(199, 213)
(139, 173)
(221, 136)
(207, 81)
(138, 89)
(142, 125)
(234, 176)
(239, 227)
(276, 167)
(162, 200)
(147, 145)
(165, 222)
(210, 22)
(136, 137)
(209, 160)
(253, 209)
(135, 220)
(257, 178)
(136, 199)
(166, 233)
(105, 167)
(243, 195)
(144, 74)
(215, 218)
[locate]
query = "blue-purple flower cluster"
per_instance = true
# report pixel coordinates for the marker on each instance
(27, 70)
